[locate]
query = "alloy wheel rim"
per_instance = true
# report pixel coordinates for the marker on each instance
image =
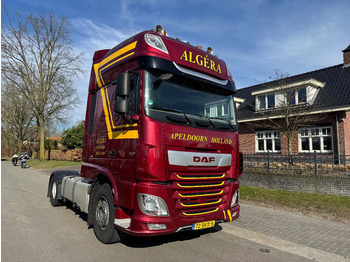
(102, 213)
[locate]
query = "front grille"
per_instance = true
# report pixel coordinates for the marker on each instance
(200, 212)
(196, 204)
(199, 194)
(200, 176)
(194, 185)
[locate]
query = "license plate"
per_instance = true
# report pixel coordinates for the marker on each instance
(203, 225)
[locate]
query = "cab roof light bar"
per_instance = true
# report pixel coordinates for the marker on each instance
(161, 31)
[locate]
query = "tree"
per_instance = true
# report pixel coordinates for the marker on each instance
(286, 116)
(17, 123)
(74, 137)
(50, 144)
(38, 59)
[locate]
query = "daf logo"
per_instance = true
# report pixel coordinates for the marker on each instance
(204, 159)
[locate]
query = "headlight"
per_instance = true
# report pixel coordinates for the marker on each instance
(235, 198)
(152, 205)
(156, 42)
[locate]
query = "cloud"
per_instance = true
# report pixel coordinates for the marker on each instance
(89, 37)
(94, 35)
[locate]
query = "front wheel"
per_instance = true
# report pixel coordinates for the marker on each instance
(103, 215)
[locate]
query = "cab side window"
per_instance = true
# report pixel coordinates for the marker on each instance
(133, 98)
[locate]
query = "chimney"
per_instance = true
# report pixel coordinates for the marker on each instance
(346, 56)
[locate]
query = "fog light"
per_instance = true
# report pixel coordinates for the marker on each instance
(234, 214)
(156, 226)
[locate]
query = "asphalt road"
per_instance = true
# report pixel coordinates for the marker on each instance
(33, 230)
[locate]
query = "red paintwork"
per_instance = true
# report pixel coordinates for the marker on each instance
(175, 48)
(140, 162)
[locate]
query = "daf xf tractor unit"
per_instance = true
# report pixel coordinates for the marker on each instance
(161, 152)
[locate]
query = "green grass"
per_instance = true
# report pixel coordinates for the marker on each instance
(47, 164)
(332, 207)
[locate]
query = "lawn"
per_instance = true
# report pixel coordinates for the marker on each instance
(47, 164)
(331, 207)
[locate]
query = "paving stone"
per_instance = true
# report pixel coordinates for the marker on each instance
(330, 236)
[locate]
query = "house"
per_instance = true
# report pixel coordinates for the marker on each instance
(319, 101)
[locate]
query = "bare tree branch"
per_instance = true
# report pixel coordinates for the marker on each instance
(39, 62)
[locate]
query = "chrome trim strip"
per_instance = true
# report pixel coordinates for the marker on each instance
(183, 228)
(197, 74)
(182, 158)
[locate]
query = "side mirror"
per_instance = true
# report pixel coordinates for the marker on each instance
(122, 92)
(121, 105)
(123, 84)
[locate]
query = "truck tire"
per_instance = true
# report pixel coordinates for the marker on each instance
(103, 215)
(53, 194)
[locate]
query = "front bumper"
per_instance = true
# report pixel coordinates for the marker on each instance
(179, 220)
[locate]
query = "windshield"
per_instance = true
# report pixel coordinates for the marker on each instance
(172, 93)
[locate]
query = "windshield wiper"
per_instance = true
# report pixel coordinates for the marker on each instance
(223, 119)
(204, 116)
(171, 110)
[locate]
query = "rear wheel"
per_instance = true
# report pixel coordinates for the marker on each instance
(53, 193)
(103, 215)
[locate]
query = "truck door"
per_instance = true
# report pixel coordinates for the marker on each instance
(123, 141)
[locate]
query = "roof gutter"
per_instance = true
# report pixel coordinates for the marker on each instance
(347, 108)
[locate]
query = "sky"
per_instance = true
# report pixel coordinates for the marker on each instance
(254, 37)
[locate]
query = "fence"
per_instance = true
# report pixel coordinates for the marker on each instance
(316, 164)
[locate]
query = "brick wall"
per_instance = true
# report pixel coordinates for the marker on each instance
(338, 185)
(66, 155)
(284, 143)
(246, 138)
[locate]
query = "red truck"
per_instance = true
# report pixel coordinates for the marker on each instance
(161, 152)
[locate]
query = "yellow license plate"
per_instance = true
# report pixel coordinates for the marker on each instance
(203, 225)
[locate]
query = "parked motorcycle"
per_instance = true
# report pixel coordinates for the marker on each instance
(14, 161)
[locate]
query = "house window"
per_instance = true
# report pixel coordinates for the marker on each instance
(297, 97)
(266, 101)
(270, 100)
(262, 102)
(293, 96)
(317, 139)
(268, 141)
(302, 95)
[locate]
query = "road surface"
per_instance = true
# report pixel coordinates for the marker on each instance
(33, 230)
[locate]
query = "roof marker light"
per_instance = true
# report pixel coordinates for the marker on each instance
(160, 30)
(210, 50)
